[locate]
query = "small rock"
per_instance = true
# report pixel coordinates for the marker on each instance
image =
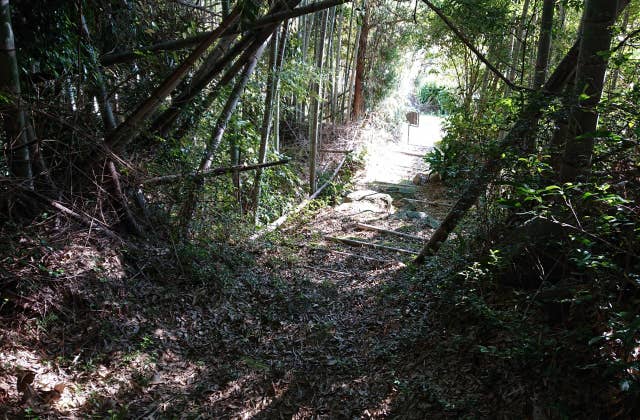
(418, 215)
(380, 199)
(420, 178)
(435, 177)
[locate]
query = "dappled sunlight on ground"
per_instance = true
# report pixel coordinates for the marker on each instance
(299, 327)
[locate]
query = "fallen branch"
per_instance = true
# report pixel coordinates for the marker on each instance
(86, 219)
(278, 222)
(430, 203)
(364, 257)
(167, 179)
(342, 273)
(353, 242)
(335, 151)
(402, 152)
(389, 232)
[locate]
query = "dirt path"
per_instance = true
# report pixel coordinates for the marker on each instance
(306, 327)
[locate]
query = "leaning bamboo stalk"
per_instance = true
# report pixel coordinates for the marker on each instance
(278, 222)
(365, 226)
(129, 129)
(115, 179)
(178, 44)
(353, 242)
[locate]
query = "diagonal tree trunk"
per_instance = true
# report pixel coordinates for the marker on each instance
(130, 128)
(529, 118)
(190, 201)
(198, 110)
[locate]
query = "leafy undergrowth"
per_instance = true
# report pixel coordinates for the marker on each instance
(291, 328)
(219, 331)
(237, 331)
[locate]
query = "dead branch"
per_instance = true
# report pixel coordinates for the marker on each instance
(167, 179)
(428, 203)
(354, 242)
(278, 222)
(335, 151)
(365, 226)
(463, 38)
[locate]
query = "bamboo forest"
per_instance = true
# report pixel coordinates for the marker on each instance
(320, 209)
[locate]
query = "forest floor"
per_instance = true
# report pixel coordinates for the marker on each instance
(300, 325)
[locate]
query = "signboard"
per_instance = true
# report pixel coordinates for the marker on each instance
(413, 118)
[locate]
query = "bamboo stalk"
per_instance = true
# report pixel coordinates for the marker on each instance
(429, 203)
(278, 222)
(166, 179)
(365, 226)
(335, 151)
(353, 242)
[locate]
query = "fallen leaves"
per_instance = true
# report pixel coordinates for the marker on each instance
(31, 394)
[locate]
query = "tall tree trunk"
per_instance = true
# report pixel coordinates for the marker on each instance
(276, 121)
(335, 80)
(346, 86)
(544, 43)
(14, 117)
(316, 100)
(326, 92)
(190, 201)
(358, 106)
(542, 62)
(599, 16)
(267, 119)
(518, 47)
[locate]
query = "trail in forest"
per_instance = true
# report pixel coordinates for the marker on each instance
(311, 327)
(359, 331)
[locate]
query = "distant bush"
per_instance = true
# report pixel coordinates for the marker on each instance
(436, 99)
